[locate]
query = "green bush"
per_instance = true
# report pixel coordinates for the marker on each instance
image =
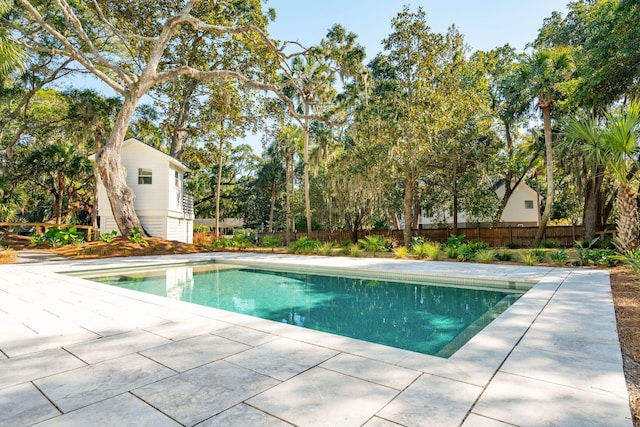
(513, 245)
(484, 256)
(539, 254)
(529, 258)
(201, 228)
(303, 245)
(559, 258)
(467, 251)
(354, 251)
(241, 238)
(550, 244)
(427, 250)
(58, 237)
(136, 237)
(271, 242)
(454, 241)
(373, 244)
(632, 259)
(326, 248)
(108, 237)
(504, 256)
(401, 252)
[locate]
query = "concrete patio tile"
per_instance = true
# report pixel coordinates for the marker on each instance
(372, 371)
(122, 410)
(432, 401)
(32, 366)
(320, 397)
(379, 422)
(194, 352)
(203, 392)
(187, 327)
(245, 335)
(34, 343)
(580, 372)
(243, 415)
(115, 346)
(23, 405)
(523, 401)
(85, 386)
(282, 358)
(576, 343)
(474, 420)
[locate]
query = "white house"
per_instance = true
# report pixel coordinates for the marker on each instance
(520, 211)
(157, 181)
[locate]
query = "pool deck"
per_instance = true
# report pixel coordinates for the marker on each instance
(74, 352)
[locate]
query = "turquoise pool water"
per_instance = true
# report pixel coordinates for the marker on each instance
(422, 317)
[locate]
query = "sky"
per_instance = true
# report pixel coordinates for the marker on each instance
(484, 24)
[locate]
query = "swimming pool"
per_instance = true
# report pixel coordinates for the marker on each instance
(433, 316)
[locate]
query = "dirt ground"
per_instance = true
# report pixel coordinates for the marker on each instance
(625, 286)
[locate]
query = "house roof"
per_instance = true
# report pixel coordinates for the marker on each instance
(132, 141)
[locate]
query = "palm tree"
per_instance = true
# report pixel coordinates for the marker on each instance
(622, 137)
(547, 72)
(312, 81)
(586, 138)
(287, 146)
(11, 56)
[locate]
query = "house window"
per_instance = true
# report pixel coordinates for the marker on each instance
(528, 204)
(177, 178)
(144, 176)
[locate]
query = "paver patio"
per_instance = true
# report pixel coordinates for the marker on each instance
(74, 352)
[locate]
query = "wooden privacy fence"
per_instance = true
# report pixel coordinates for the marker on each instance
(497, 236)
(42, 227)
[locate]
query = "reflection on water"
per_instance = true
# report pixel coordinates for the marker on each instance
(428, 319)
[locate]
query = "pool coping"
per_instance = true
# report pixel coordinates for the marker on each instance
(522, 360)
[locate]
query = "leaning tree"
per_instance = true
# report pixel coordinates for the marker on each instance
(131, 47)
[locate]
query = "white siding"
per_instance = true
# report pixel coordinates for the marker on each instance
(180, 229)
(515, 211)
(159, 204)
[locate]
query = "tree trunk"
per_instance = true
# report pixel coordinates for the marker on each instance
(178, 136)
(627, 224)
(592, 196)
(113, 174)
(546, 118)
(408, 210)
(287, 233)
(219, 183)
(273, 206)
(307, 197)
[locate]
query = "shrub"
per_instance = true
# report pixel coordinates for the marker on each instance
(467, 251)
(373, 244)
(108, 237)
(454, 241)
(539, 254)
(271, 242)
(559, 258)
(550, 244)
(303, 245)
(529, 258)
(504, 256)
(58, 237)
(452, 252)
(136, 237)
(427, 250)
(401, 252)
(513, 245)
(632, 259)
(326, 248)
(417, 248)
(201, 229)
(241, 239)
(601, 257)
(354, 251)
(202, 239)
(484, 256)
